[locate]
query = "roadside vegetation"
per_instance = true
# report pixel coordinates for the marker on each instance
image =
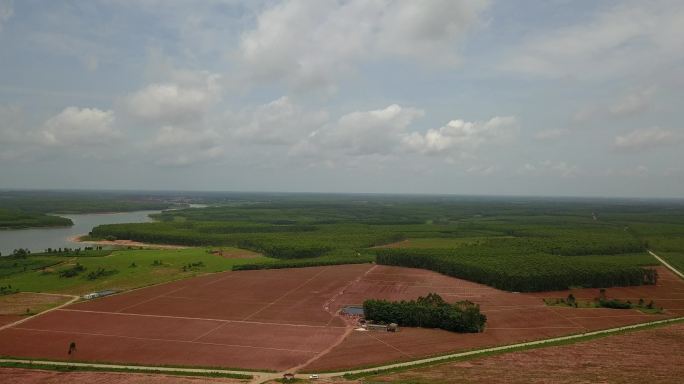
(602, 301)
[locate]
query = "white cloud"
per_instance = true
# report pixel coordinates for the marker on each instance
(551, 134)
(80, 126)
(310, 43)
(550, 168)
(643, 139)
(362, 133)
(628, 104)
(461, 135)
(175, 102)
(178, 146)
(279, 122)
(6, 11)
(629, 37)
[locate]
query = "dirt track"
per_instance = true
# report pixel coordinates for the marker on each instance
(277, 319)
(649, 356)
(32, 376)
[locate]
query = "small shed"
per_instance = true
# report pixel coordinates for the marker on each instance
(376, 327)
(288, 377)
(392, 327)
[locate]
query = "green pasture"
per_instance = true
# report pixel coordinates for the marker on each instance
(124, 269)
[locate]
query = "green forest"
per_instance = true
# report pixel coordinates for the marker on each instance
(515, 244)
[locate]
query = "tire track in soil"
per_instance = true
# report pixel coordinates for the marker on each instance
(349, 328)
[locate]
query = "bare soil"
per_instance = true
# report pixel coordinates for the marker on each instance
(282, 319)
(126, 243)
(650, 356)
(235, 253)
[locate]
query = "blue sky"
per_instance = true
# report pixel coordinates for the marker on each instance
(573, 98)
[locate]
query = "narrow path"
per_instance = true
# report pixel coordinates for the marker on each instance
(73, 298)
(260, 377)
(665, 263)
(135, 367)
(496, 349)
(349, 327)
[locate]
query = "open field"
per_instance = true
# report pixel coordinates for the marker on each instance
(123, 269)
(24, 303)
(281, 319)
(649, 356)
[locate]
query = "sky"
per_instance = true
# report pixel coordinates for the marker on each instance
(473, 97)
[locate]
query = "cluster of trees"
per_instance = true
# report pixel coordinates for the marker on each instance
(7, 290)
(67, 250)
(73, 271)
(17, 219)
(193, 266)
(20, 252)
(100, 272)
(430, 311)
(522, 273)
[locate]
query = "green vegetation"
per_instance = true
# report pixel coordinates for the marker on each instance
(15, 219)
(12, 265)
(520, 244)
(29, 209)
(602, 301)
(675, 259)
(79, 368)
(430, 311)
(515, 269)
(526, 245)
(7, 290)
(95, 270)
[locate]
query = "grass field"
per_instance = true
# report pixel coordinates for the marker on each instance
(676, 259)
(123, 269)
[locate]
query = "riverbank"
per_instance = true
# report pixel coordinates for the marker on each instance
(124, 243)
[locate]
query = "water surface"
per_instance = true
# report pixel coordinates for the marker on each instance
(38, 239)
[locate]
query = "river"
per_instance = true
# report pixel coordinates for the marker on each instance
(38, 239)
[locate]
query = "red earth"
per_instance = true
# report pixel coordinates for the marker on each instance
(281, 319)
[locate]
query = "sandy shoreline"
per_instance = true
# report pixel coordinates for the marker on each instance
(125, 243)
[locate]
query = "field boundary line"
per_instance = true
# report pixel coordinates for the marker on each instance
(665, 263)
(503, 348)
(199, 318)
(27, 318)
(300, 286)
(165, 340)
(142, 368)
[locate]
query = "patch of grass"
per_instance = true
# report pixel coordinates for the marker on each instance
(675, 259)
(75, 368)
(126, 277)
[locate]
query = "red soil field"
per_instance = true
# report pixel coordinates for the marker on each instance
(280, 319)
(648, 356)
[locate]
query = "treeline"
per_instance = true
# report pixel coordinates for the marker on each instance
(16, 219)
(303, 263)
(430, 311)
(530, 273)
